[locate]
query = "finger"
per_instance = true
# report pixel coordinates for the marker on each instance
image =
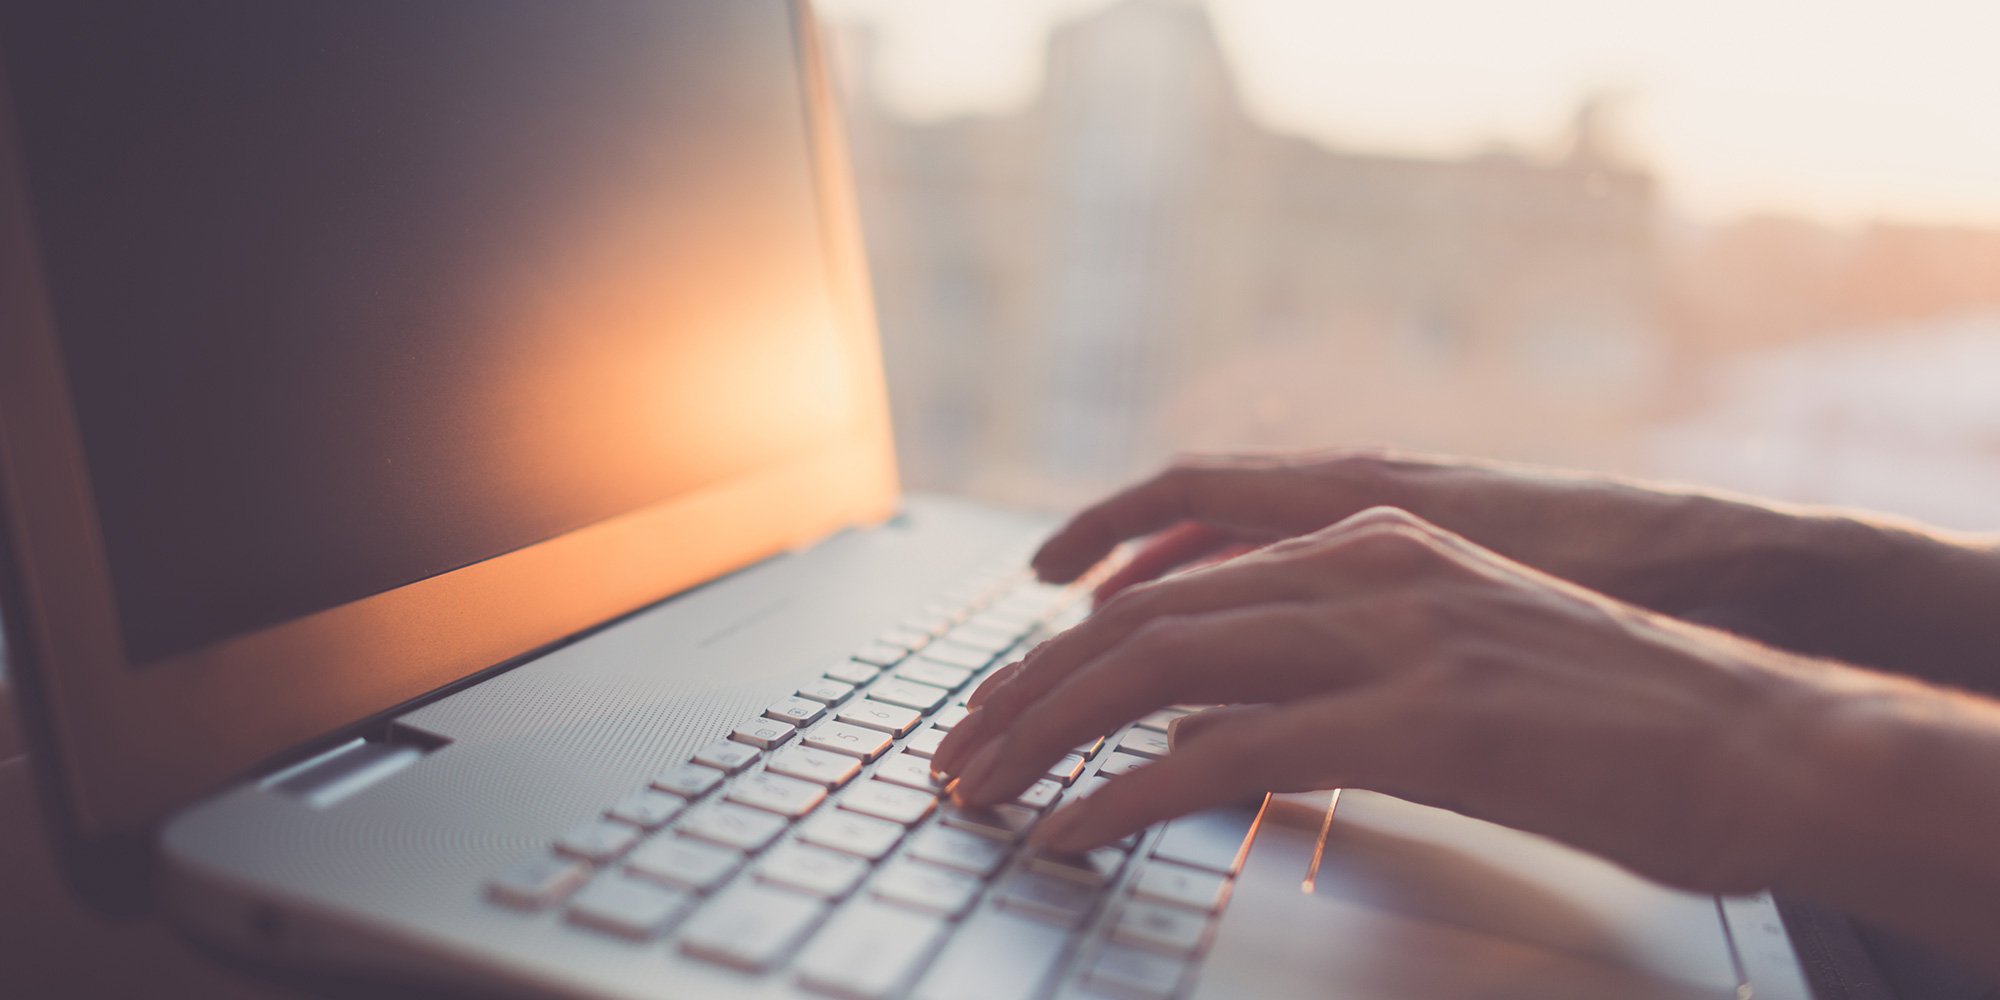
(1256, 655)
(1239, 583)
(1176, 546)
(1322, 743)
(1189, 728)
(1247, 496)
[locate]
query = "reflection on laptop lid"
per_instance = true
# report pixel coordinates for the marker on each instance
(350, 349)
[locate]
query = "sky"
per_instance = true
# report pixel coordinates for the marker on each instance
(1836, 109)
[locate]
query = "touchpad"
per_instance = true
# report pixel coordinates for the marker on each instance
(1401, 900)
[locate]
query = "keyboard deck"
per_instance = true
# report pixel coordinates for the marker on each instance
(811, 842)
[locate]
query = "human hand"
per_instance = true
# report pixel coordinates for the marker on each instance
(1669, 550)
(1386, 653)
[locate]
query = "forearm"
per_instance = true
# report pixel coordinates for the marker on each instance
(1896, 818)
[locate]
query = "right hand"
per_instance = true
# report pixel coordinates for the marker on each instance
(1676, 552)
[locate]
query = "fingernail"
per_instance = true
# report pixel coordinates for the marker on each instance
(1174, 732)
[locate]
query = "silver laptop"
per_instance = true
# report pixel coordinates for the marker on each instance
(453, 537)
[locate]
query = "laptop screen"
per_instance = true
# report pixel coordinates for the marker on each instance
(353, 294)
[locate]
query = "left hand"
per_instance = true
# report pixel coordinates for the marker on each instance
(1386, 653)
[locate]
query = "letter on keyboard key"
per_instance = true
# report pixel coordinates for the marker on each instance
(777, 793)
(869, 952)
(796, 711)
(537, 882)
(861, 836)
(750, 927)
(960, 850)
(689, 864)
(730, 825)
(997, 955)
(925, 887)
(689, 781)
(909, 771)
(731, 755)
(1124, 971)
(822, 767)
(1213, 840)
(871, 714)
(855, 741)
(813, 871)
(886, 801)
(908, 694)
(765, 733)
(852, 672)
(628, 908)
(1179, 886)
(1120, 763)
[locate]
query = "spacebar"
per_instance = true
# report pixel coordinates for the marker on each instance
(997, 955)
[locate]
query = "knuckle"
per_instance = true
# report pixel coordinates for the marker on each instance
(1392, 548)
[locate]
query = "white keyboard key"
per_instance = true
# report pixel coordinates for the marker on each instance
(728, 756)
(950, 653)
(1120, 763)
(936, 890)
(811, 870)
(869, 952)
(855, 741)
(1092, 868)
(950, 716)
(1040, 795)
(827, 691)
(689, 781)
(647, 809)
(730, 825)
(1160, 720)
(1215, 840)
(1053, 898)
(689, 864)
(861, 836)
(750, 927)
(880, 654)
(765, 733)
(996, 955)
(1088, 751)
(910, 771)
(797, 711)
(852, 672)
(871, 714)
(1005, 821)
(1143, 743)
(925, 743)
(777, 793)
(628, 908)
(598, 840)
(959, 850)
(923, 670)
(908, 694)
(890, 802)
(1084, 788)
(911, 639)
(1066, 769)
(822, 767)
(1123, 971)
(1169, 930)
(537, 882)
(1163, 882)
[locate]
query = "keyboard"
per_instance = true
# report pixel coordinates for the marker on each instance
(811, 843)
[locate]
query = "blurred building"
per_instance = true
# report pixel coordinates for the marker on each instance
(1132, 265)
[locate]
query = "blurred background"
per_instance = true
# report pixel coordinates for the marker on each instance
(1747, 243)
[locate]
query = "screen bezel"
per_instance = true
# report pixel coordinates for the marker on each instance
(186, 724)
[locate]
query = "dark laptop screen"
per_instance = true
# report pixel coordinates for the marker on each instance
(356, 292)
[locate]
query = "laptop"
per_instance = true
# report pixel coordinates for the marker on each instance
(453, 538)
